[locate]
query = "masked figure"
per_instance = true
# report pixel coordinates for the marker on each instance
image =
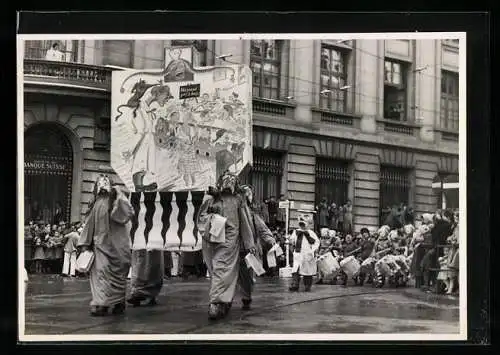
(263, 240)
(223, 222)
(106, 233)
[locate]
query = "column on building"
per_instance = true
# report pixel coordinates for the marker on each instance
(426, 170)
(301, 163)
(426, 75)
(366, 188)
(369, 83)
(303, 57)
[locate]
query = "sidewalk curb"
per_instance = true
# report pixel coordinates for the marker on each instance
(432, 297)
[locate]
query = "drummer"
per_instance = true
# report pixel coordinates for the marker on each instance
(327, 241)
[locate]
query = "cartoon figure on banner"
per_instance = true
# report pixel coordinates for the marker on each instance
(178, 69)
(143, 153)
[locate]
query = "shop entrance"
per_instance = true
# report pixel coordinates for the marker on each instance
(48, 173)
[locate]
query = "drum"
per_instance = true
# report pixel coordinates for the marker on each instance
(327, 264)
(350, 266)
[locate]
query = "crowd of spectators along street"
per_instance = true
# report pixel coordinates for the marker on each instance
(405, 250)
(415, 242)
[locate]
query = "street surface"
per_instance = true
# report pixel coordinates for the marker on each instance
(56, 305)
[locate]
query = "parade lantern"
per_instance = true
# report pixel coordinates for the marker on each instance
(173, 132)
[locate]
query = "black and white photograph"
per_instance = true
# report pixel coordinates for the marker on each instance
(246, 186)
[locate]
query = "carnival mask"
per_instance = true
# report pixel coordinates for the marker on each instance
(248, 191)
(103, 183)
(408, 229)
(383, 231)
(228, 182)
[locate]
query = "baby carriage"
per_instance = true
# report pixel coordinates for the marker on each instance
(387, 270)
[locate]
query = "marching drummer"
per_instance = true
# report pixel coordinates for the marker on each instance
(305, 244)
(327, 241)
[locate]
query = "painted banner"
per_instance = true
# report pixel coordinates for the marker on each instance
(173, 132)
(178, 129)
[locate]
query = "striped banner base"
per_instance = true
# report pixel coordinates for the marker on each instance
(166, 220)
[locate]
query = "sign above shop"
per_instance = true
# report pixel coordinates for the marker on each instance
(47, 164)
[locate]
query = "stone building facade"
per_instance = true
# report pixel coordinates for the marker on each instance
(373, 121)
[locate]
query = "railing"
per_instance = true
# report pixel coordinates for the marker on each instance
(74, 73)
(391, 126)
(272, 107)
(447, 134)
(337, 118)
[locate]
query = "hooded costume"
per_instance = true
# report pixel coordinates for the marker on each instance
(106, 233)
(224, 224)
(263, 238)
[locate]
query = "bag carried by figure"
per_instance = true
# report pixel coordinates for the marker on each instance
(84, 261)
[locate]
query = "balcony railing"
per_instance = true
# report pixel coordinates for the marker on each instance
(336, 118)
(398, 127)
(76, 74)
(447, 134)
(272, 107)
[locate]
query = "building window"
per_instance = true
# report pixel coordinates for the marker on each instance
(201, 46)
(265, 62)
(394, 189)
(38, 49)
(333, 79)
(266, 173)
(395, 90)
(332, 180)
(449, 100)
(119, 53)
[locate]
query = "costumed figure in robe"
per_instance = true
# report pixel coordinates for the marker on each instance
(147, 274)
(106, 233)
(263, 237)
(305, 243)
(223, 222)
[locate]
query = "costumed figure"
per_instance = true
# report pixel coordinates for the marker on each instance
(326, 262)
(367, 270)
(223, 222)
(350, 267)
(106, 233)
(143, 122)
(305, 243)
(382, 247)
(263, 239)
(147, 275)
